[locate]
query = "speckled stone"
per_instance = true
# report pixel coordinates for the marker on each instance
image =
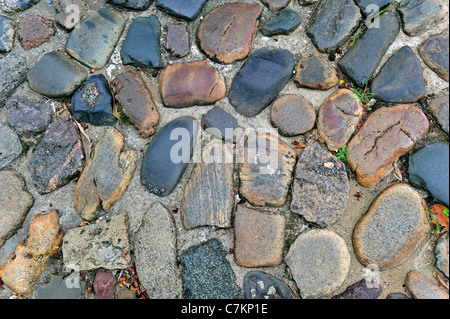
(10, 145)
(34, 31)
(259, 285)
(16, 67)
(7, 34)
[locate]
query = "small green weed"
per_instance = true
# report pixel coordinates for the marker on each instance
(342, 154)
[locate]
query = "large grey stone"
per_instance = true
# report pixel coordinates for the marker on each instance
(435, 53)
(418, 15)
(10, 145)
(13, 69)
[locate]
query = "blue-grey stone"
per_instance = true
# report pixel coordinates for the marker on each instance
(221, 123)
(10, 146)
(418, 15)
(262, 77)
(370, 7)
(429, 168)
(140, 5)
(142, 47)
(184, 9)
(13, 70)
(207, 274)
(168, 156)
(284, 22)
(7, 32)
(16, 5)
(58, 287)
(93, 103)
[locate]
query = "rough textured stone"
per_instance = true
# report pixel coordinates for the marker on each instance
(315, 72)
(221, 124)
(104, 285)
(284, 22)
(68, 13)
(423, 288)
(227, 32)
(56, 287)
(258, 238)
(166, 159)
(105, 177)
(338, 118)
(252, 89)
(434, 53)
(177, 42)
(362, 60)
(321, 187)
(293, 115)
(156, 254)
(58, 158)
(94, 40)
(140, 5)
(442, 254)
(103, 244)
(266, 170)
(366, 5)
(275, 5)
(361, 290)
(184, 9)
(319, 261)
(141, 47)
(400, 80)
(94, 103)
(429, 169)
(10, 146)
(259, 285)
(418, 15)
(15, 202)
(387, 135)
(440, 109)
(207, 274)
(332, 24)
(17, 5)
(7, 34)
(16, 67)
(27, 263)
(55, 75)
(132, 93)
(34, 31)
(209, 196)
(28, 117)
(393, 228)
(193, 83)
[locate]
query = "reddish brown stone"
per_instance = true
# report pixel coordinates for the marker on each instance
(315, 72)
(338, 118)
(34, 31)
(227, 32)
(136, 100)
(27, 263)
(104, 285)
(177, 40)
(189, 84)
(259, 238)
(388, 134)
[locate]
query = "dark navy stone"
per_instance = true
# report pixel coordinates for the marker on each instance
(361, 290)
(221, 122)
(262, 77)
(93, 103)
(141, 47)
(168, 156)
(284, 22)
(362, 59)
(428, 168)
(259, 285)
(366, 8)
(207, 274)
(132, 4)
(184, 9)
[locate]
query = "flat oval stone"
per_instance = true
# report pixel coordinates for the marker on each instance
(56, 75)
(435, 54)
(275, 5)
(266, 170)
(393, 228)
(259, 285)
(293, 115)
(429, 168)
(168, 156)
(15, 66)
(141, 47)
(34, 31)
(418, 15)
(404, 70)
(140, 5)
(133, 95)
(319, 261)
(363, 289)
(423, 288)
(321, 187)
(227, 32)
(395, 131)
(93, 103)
(15, 203)
(332, 23)
(58, 158)
(10, 145)
(253, 89)
(338, 118)
(28, 117)
(284, 22)
(7, 34)
(193, 83)
(95, 38)
(105, 177)
(184, 9)
(362, 60)
(442, 253)
(315, 72)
